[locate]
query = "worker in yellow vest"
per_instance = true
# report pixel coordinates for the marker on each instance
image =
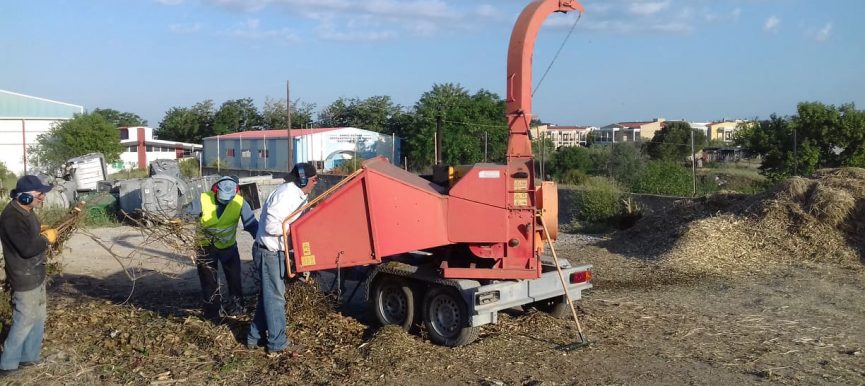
(218, 212)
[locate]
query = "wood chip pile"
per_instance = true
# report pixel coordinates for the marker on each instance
(818, 219)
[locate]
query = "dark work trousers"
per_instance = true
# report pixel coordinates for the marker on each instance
(208, 263)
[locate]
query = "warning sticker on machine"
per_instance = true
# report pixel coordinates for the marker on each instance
(307, 258)
(521, 199)
(489, 174)
(521, 184)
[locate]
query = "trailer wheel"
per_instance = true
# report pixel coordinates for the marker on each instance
(446, 318)
(557, 307)
(393, 302)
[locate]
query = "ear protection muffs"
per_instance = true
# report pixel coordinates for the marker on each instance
(215, 189)
(302, 181)
(24, 198)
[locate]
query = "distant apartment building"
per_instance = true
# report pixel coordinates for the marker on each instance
(628, 131)
(563, 136)
(723, 130)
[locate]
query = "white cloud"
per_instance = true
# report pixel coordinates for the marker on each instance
(772, 24)
(674, 27)
(824, 33)
(736, 14)
(184, 28)
(640, 8)
(371, 20)
(487, 11)
(374, 20)
(251, 30)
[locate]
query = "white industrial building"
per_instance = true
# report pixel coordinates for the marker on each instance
(326, 148)
(139, 148)
(22, 119)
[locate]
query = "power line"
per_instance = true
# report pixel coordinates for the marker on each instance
(579, 16)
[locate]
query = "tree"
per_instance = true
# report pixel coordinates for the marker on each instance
(467, 120)
(818, 136)
(373, 113)
(83, 134)
(187, 124)
(570, 158)
(626, 163)
(7, 179)
(673, 142)
(275, 117)
(236, 115)
(119, 119)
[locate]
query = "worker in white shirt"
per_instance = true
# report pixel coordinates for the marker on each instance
(268, 253)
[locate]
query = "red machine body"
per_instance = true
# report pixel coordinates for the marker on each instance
(484, 226)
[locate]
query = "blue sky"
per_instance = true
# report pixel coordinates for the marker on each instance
(626, 60)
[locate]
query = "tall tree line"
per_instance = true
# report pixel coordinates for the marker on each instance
(474, 124)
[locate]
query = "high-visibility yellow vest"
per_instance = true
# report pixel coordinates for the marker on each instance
(219, 231)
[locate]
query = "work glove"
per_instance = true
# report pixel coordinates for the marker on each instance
(43, 227)
(50, 234)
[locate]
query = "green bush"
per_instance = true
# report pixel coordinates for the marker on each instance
(189, 167)
(128, 175)
(7, 179)
(665, 177)
(574, 177)
(599, 200)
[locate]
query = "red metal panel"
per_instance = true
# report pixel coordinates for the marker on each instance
(471, 222)
(483, 183)
(337, 229)
(407, 214)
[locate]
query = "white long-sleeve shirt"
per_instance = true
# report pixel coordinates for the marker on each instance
(281, 203)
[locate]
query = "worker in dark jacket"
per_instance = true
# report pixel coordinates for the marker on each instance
(218, 212)
(25, 245)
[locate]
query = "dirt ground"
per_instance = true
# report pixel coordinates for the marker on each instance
(801, 324)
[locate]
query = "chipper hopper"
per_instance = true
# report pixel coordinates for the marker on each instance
(454, 249)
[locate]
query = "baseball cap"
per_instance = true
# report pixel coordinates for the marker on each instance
(30, 183)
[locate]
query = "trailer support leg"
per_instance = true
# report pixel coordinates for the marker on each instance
(583, 341)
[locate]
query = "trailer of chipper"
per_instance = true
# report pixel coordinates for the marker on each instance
(454, 249)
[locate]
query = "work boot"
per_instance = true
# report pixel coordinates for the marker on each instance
(235, 307)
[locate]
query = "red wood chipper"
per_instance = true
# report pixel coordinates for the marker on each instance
(453, 250)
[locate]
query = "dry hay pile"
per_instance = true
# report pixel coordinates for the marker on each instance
(817, 219)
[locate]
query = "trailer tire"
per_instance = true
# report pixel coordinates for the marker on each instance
(557, 307)
(446, 318)
(393, 302)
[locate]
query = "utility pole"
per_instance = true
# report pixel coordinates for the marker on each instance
(486, 145)
(438, 137)
(542, 151)
(288, 129)
(693, 163)
(795, 153)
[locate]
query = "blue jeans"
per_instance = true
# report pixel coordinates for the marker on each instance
(268, 324)
(28, 325)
